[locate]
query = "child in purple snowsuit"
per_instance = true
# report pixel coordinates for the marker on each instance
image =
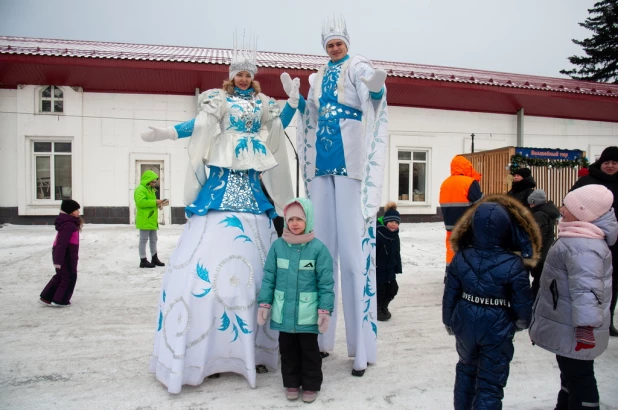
(65, 251)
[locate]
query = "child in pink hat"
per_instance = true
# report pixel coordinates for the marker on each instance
(571, 313)
(298, 297)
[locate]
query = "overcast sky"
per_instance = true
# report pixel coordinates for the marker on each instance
(516, 36)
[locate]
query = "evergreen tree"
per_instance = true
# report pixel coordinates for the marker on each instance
(601, 60)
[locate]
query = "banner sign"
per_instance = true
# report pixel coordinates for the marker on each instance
(548, 153)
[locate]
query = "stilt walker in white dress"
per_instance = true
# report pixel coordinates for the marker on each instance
(342, 141)
(207, 307)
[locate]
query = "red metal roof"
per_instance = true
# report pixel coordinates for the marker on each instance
(137, 68)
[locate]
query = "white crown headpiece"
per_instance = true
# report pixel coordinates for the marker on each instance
(244, 56)
(335, 27)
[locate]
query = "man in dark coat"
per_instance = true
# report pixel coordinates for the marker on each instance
(605, 172)
(487, 295)
(522, 186)
(545, 214)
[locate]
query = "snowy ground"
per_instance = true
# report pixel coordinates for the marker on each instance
(95, 354)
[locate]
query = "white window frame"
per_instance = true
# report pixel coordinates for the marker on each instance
(27, 202)
(52, 99)
(52, 179)
(410, 201)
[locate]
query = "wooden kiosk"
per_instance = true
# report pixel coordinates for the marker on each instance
(554, 170)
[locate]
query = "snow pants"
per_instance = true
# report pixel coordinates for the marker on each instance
(578, 386)
(339, 223)
(482, 371)
(60, 287)
(301, 363)
(387, 292)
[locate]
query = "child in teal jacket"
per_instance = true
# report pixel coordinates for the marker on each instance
(297, 293)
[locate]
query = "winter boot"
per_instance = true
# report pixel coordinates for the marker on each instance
(156, 261)
(309, 396)
(386, 311)
(145, 264)
(292, 393)
(382, 316)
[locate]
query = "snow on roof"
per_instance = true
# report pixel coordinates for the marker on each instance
(198, 55)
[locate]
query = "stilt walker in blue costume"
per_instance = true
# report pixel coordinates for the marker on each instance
(342, 142)
(207, 306)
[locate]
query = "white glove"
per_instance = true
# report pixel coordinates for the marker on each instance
(376, 82)
(160, 134)
(262, 317)
(291, 88)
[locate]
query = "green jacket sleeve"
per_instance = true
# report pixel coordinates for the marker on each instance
(270, 277)
(325, 279)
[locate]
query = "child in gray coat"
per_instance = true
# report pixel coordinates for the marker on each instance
(571, 312)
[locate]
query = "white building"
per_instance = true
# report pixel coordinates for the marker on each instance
(71, 114)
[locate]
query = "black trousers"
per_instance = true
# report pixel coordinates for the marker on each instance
(578, 385)
(387, 292)
(301, 363)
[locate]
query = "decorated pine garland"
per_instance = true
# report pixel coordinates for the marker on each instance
(519, 161)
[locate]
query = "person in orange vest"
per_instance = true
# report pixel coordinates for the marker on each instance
(458, 193)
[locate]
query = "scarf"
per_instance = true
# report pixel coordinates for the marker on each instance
(579, 229)
(292, 239)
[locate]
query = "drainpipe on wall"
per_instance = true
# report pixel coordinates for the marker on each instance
(520, 127)
(197, 97)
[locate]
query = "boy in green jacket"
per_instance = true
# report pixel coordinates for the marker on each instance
(147, 217)
(298, 290)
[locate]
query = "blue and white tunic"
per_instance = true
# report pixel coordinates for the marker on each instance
(343, 128)
(237, 154)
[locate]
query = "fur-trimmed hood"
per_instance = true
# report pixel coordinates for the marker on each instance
(501, 221)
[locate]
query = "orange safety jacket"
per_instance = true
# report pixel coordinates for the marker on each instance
(458, 193)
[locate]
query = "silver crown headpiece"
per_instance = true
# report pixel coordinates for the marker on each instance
(334, 27)
(244, 56)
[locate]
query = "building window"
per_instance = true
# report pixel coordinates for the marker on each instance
(52, 100)
(412, 175)
(52, 170)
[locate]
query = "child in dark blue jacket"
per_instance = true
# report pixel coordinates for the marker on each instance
(487, 295)
(388, 259)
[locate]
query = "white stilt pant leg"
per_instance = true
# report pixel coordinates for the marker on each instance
(357, 266)
(322, 190)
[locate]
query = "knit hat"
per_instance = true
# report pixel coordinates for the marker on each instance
(609, 154)
(537, 197)
(589, 202)
(524, 172)
(294, 210)
(391, 213)
(69, 206)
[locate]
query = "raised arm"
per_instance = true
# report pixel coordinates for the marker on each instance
(292, 89)
(182, 130)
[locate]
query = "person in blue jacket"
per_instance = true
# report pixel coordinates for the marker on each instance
(487, 296)
(297, 293)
